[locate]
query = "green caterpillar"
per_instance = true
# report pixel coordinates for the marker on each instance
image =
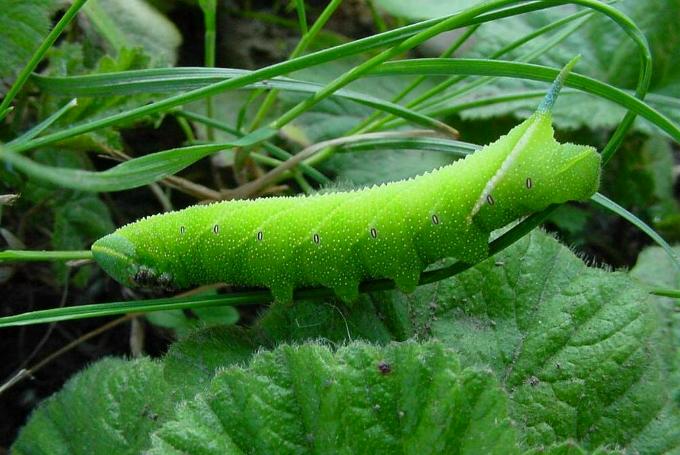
(339, 239)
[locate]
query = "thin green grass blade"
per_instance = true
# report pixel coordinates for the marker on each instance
(531, 72)
(137, 306)
(662, 292)
(431, 144)
(162, 80)
(612, 206)
(33, 256)
(42, 126)
(352, 48)
(275, 151)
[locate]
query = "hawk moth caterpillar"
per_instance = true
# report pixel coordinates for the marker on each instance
(339, 239)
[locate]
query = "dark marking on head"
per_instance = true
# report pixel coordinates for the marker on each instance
(260, 235)
(384, 367)
(146, 277)
(490, 199)
(165, 281)
(182, 230)
(316, 238)
(435, 219)
(529, 183)
(374, 233)
(139, 277)
(216, 229)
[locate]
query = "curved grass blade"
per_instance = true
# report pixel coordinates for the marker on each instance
(129, 174)
(608, 204)
(275, 151)
(431, 144)
(161, 80)
(42, 126)
(505, 9)
(531, 72)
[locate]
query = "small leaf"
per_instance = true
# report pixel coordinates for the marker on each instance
(130, 23)
(403, 398)
(23, 25)
(111, 407)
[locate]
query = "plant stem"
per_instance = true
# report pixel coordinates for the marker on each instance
(32, 256)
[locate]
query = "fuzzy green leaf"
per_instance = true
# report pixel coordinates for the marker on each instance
(111, 407)
(654, 268)
(574, 346)
(375, 317)
(405, 398)
(382, 166)
(192, 362)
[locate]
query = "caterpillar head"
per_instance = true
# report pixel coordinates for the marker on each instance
(118, 257)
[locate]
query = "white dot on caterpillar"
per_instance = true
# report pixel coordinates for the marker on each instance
(182, 230)
(374, 233)
(316, 238)
(260, 235)
(435, 219)
(489, 199)
(529, 183)
(216, 229)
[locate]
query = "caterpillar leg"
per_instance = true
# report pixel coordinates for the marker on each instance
(347, 292)
(407, 279)
(283, 293)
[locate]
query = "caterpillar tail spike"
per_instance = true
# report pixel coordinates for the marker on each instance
(554, 91)
(339, 239)
(535, 126)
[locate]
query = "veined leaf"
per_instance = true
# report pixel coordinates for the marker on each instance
(111, 407)
(574, 346)
(405, 398)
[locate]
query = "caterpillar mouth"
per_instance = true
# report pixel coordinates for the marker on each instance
(116, 255)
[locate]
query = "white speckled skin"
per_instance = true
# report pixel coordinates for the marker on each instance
(338, 240)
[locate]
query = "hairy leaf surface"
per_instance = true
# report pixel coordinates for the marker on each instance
(111, 407)
(405, 398)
